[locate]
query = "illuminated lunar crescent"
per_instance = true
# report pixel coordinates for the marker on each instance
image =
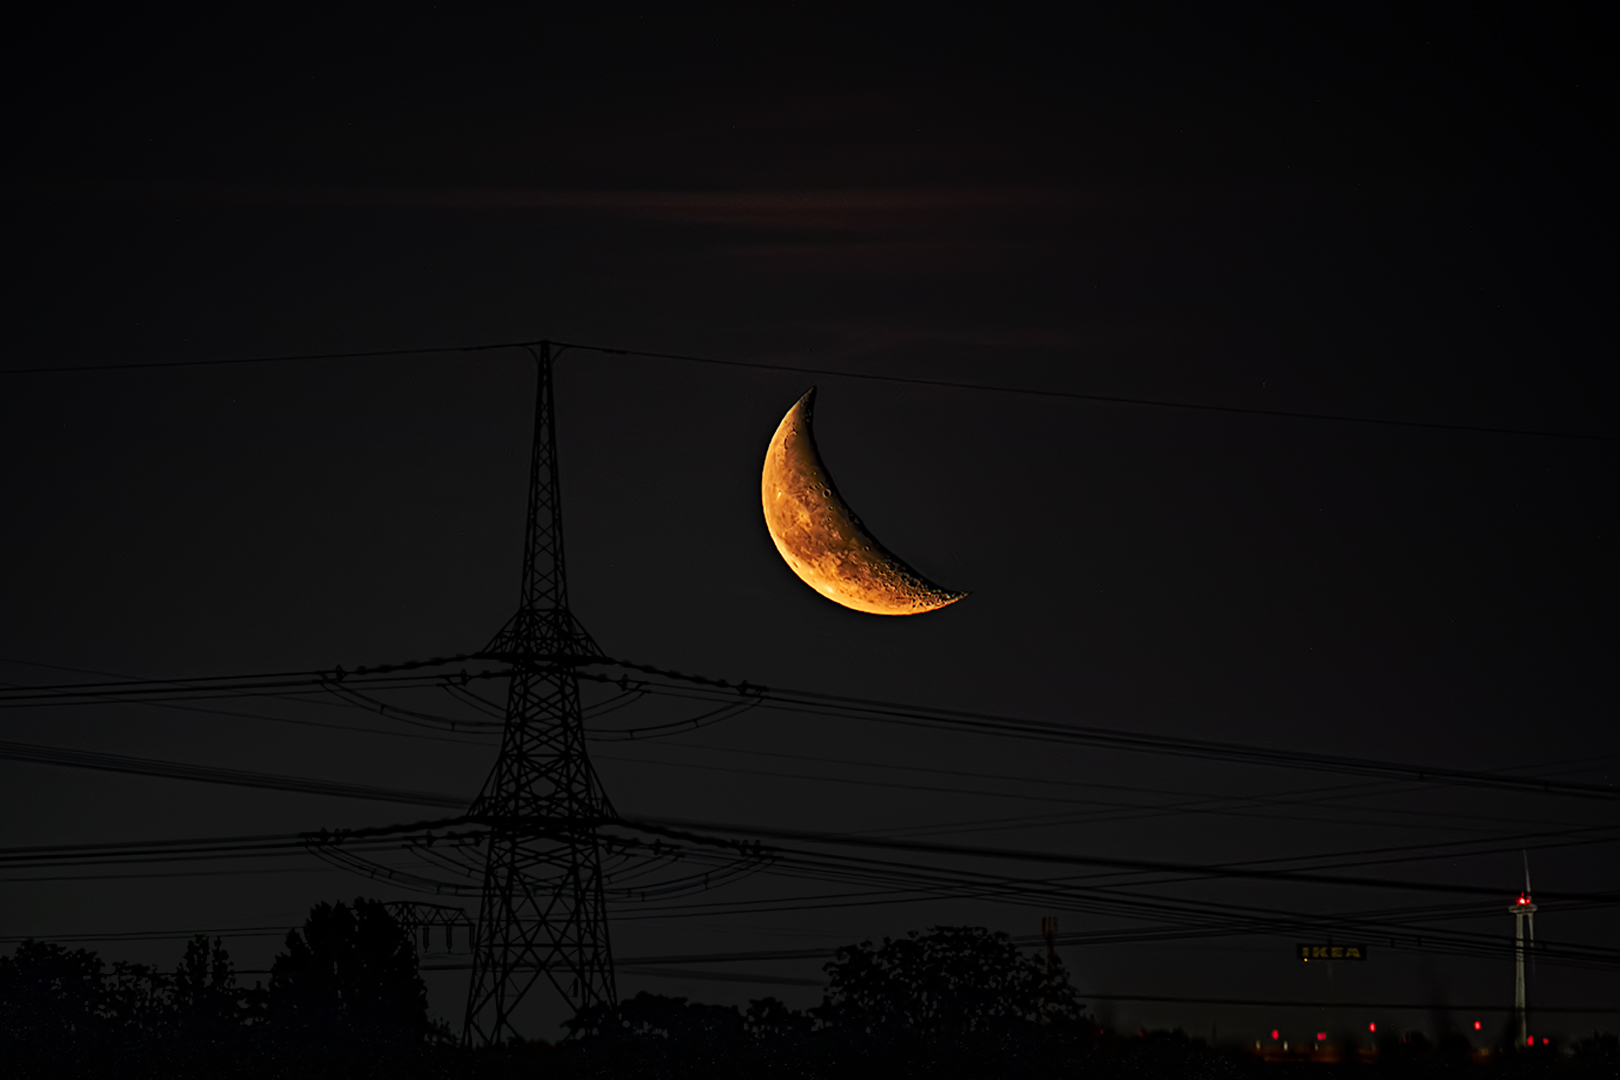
(820, 537)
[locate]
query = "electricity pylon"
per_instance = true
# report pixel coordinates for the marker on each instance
(1521, 909)
(543, 913)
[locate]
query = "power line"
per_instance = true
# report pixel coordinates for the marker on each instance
(1064, 395)
(1197, 919)
(233, 777)
(1113, 738)
(283, 358)
(1133, 811)
(301, 698)
(1113, 809)
(711, 835)
(212, 774)
(818, 864)
(217, 872)
(1110, 399)
(1200, 802)
(683, 829)
(706, 688)
(1205, 917)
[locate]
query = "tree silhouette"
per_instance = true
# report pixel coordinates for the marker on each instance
(50, 1005)
(653, 1019)
(950, 983)
(134, 1010)
(769, 1020)
(651, 1035)
(347, 987)
(208, 1014)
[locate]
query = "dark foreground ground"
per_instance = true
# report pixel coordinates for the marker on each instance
(1079, 1051)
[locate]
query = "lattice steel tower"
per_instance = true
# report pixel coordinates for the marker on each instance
(543, 912)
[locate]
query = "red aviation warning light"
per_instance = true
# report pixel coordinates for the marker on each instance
(1476, 1025)
(1274, 1034)
(1372, 1027)
(1321, 1036)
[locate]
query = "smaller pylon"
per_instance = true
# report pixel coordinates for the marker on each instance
(419, 919)
(1522, 909)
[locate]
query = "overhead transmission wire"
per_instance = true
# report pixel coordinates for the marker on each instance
(723, 834)
(893, 893)
(38, 754)
(408, 674)
(1332, 919)
(939, 882)
(1199, 916)
(1209, 803)
(757, 365)
(1155, 867)
(933, 885)
(237, 714)
(144, 766)
(213, 774)
(866, 898)
(1203, 803)
(986, 886)
(1420, 939)
(1392, 854)
(727, 712)
(1112, 738)
(237, 777)
(709, 832)
(930, 879)
(1026, 820)
(1181, 922)
(229, 776)
(1116, 810)
(1322, 795)
(1197, 919)
(455, 690)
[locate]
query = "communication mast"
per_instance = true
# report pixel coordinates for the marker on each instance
(1522, 909)
(543, 913)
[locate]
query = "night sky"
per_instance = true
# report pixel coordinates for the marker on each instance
(1402, 214)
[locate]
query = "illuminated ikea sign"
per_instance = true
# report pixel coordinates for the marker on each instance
(1332, 952)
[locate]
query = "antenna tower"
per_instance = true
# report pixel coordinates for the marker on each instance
(543, 913)
(1521, 909)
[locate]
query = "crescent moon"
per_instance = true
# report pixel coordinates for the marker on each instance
(820, 537)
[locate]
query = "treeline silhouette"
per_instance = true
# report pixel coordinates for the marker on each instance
(345, 999)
